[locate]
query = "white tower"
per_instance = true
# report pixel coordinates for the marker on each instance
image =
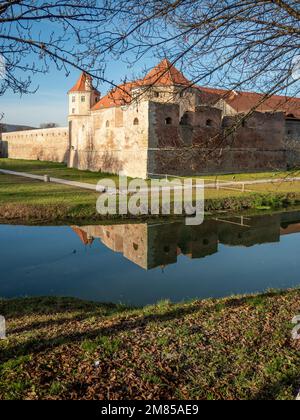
(83, 96)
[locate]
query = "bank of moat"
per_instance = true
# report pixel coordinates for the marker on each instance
(164, 124)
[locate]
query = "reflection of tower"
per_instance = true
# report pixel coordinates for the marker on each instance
(84, 237)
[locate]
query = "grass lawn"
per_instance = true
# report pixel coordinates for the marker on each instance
(29, 200)
(55, 170)
(60, 170)
(233, 348)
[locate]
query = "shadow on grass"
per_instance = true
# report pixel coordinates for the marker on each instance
(51, 306)
(272, 391)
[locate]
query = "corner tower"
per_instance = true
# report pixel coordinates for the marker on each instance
(83, 96)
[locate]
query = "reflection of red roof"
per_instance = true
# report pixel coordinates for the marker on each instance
(245, 101)
(82, 235)
(82, 85)
(293, 228)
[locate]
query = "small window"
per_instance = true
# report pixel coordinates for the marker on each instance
(73, 111)
(209, 123)
(83, 99)
(73, 99)
(156, 95)
(96, 100)
(166, 249)
(107, 124)
(168, 121)
(136, 121)
(135, 246)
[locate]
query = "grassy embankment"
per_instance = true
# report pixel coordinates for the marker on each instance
(25, 199)
(233, 348)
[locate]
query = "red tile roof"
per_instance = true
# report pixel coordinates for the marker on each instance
(117, 97)
(165, 74)
(246, 101)
(81, 84)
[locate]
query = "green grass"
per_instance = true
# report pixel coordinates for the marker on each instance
(233, 348)
(55, 170)
(60, 170)
(23, 199)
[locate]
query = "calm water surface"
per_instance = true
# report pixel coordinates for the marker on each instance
(144, 263)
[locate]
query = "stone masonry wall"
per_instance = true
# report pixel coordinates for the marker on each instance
(151, 138)
(112, 140)
(195, 144)
(51, 144)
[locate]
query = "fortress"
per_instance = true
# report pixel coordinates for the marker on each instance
(164, 124)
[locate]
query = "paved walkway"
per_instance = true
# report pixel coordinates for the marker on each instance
(102, 188)
(45, 178)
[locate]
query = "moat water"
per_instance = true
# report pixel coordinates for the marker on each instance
(144, 263)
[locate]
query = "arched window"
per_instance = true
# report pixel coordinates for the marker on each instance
(168, 121)
(107, 124)
(136, 121)
(209, 123)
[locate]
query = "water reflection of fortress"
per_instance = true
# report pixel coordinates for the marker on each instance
(153, 245)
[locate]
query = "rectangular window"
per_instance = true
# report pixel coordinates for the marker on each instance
(73, 111)
(73, 99)
(83, 99)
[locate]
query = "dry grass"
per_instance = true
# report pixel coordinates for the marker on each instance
(233, 348)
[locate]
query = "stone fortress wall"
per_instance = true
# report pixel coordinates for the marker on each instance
(112, 140)
(156, 138)
(195, 143)
(50, 144)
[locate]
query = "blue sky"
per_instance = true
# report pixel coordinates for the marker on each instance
(50, 103)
